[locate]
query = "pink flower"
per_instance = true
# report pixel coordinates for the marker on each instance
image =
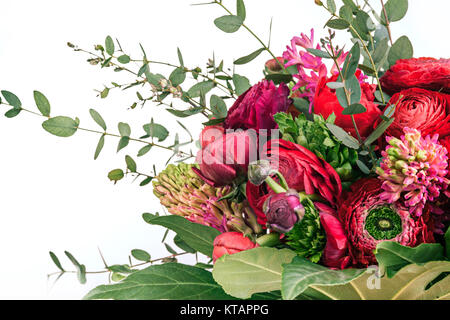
(230, 243)
(227, 158)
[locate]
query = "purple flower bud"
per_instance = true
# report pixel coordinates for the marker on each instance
(283, 211)
(258, 171)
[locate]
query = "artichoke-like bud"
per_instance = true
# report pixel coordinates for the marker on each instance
(316, 137)
(183, 193)
(307, 238)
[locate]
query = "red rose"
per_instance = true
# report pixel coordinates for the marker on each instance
(254, 109)
(231, 242)
(426, 73)
(325, 103)
(368, 220)
(226, 158)
(303, 171)
(424, 110)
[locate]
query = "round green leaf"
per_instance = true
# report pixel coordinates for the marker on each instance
(140, 255)
(116, 175)
(131, 164)
(42, 103)
(124, 59)
(229, 23)
(395, 10)
(12, 99)
(60, 126)
(12, 112)
(401, 49)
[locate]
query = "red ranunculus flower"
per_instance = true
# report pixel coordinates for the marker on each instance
(231, 242)
(227, 158)
(424, 110)
(254, 109)
(210, 134)
(368, 220)
(325, 103)
(426, 73)
(303, 171)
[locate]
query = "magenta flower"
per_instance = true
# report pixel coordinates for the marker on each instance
(254, 109)
(283, 210)
(414, 170)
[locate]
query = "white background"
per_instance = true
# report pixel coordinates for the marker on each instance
(53, 195)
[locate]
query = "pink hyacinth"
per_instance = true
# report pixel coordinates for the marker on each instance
(414, 170)
(305, 61)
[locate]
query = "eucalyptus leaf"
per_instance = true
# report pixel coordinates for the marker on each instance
(177, 76)
(380, 129)
(144, 150)
(56, 261)
(240, 8)
(339, 24)
(343, 136)
(249, 57)
(60, 126)
(98, 118)
(12, 99)
(200, 88)
(100, 145)
(116, 175)
(401, 49)
(124, 59)
(319, 53)
(131, 164)
(109, 45)
(156, 130)
(395, 10)
(241, 84)
(353, 109)
(185, 113)
(229, 23)
(11, 113)
(140, 255)
(42, 103)
(218, 106)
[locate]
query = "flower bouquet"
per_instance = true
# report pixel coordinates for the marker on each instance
(327, 179)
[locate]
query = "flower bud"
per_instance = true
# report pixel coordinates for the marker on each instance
(258, 171)
(272, 65)
(283, 211)
(230, 243)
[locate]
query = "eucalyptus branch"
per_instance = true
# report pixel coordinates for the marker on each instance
(106, 270)
(387, 21)
(253, 34)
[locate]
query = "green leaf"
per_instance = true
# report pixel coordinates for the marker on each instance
(120, 268)
(42, 103)
(356, 108)
(362, 166)
(180, 57)
(343, 136)
(241, 84)
(335, 85)
(124, 59)
(144, 150)
(99, 148)
(123, 142)
(345, 12)
(378, 131)
(351, 5)
(170, 249)
(218, 106)
(278, 78)
(380, 50)
(56, 261)
(229, 23)
(319, 53)
(146, 181)
(250, 57)
(392, 256)
(98, 118)
(331, 6)
(180, 243)
(410, 283)
(140, 255)
(12, 99)
(124, 129)
(104, 93)
(171, 281)
(200, 88)
(339, 24)
(240, 8)
(351, 62)
(177, 76)
(401, 49)
(213, 122)
(81, 269)
(109, 45)
(116, 175)
(302, 273)
(447, 243)
(395, 10)
(197, 236)
(60, 126)
(131, 164)
(247, 272)
(11, 113)
(156, 130)
(185, 113)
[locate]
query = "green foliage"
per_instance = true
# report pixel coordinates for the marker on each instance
(301, 274)
(200, 88)
(250, 57)
(81, 268)
(197, 236)
(172, 281)
(12, 99)
(124, 59)
(56, 261)
(42, 103)
(241, 84)
(401, 49)
(308, 238)
(98, 118)
(100, 145)
(131, 164)
(116, 175)
(263, 264)
(339, 24)
(109, 45)
(218, 106)
(229, 23)
(395, 10)
(61, 126)
(240, 8)
(140, 255)
(156, 131)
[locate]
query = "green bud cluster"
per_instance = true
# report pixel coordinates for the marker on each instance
(308, 238)
(316, 137)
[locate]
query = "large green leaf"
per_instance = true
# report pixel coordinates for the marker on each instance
(302, 273)
(197, 236)
(257, 270)
(410, 283)
(42, 103)
(401, 49)
(167, 281)
(60, 126)
(229, 23)
(392, 256)
(395, 10)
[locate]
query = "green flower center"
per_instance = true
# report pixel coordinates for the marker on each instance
(383, 223)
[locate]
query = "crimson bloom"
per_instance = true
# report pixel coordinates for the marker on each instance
(326, 103)
(254, 109)
(424, 110)
(231, 242)
(283, 211)
(303, 171)
(425, 73)
(369, 220)
(226, 158)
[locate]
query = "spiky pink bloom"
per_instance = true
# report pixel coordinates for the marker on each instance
(310, 68)
(414, 170)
